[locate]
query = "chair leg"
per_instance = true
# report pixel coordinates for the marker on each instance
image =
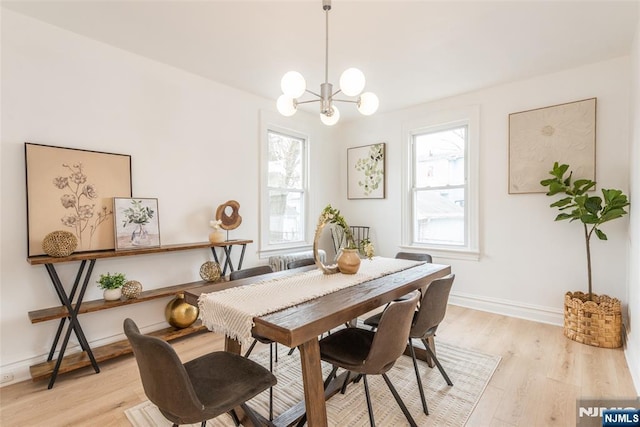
(330, 377)
(275, 344)
(249, 412)
(203, 424)
(271, 388)
(401, 404)
(435, 359)
(420, 389)
(253, 344)
(345, 383)
(366, 393)
(291, 351)
(234, 416)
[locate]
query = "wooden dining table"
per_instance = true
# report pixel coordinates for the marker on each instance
(300, 326)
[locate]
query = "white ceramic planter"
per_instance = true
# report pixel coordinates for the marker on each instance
(112, 294)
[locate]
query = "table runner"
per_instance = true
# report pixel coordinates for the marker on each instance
(231, 311)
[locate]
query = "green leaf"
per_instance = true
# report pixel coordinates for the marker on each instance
(593, 205)
(562, 202)
(612, 214)
(559, 171)
(563, 216)
(555, 188)
(611, 194)
(600, 234)
(589, 219)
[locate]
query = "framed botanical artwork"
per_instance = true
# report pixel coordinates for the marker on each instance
(365, 172)
(136, 223)
(564, 133)
(71, 189)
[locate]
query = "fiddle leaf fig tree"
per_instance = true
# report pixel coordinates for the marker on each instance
(592, 211)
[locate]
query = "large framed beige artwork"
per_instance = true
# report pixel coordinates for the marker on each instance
(71, 189)
(564, 133)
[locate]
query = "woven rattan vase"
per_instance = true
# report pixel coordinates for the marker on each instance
(597, 323)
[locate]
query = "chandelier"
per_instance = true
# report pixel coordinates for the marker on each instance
(352, 83)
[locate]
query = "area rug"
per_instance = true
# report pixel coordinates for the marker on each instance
(470, 372)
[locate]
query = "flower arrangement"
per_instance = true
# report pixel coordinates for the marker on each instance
(111, 281)
(331, 215)
(215, 224)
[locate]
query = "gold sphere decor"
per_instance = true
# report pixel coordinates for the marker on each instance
(210, 271)
(59, 243)
(179, 313)
(131, 289)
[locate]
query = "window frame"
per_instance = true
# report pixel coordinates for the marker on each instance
(266, 248)
(438, 121)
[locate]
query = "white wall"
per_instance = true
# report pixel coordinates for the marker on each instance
(633, 340)
(194, 145)
(527, 261)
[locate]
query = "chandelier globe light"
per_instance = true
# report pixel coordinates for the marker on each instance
(352, 83)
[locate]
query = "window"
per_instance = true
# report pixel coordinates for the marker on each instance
(439, 189)
(284, 190)
(441, 200)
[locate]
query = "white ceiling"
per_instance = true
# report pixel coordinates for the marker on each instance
(410, 51)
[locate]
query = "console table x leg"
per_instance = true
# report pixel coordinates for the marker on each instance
(74, 324)
(227, 257)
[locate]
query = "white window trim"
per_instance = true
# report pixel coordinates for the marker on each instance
(269, 123)
(438, 119)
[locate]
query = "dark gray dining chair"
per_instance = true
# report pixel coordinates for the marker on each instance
(433, 307)
(251, 272)
(431, 311)
(414, 256)
(411, 256)
(365, 352)
(300, 263)
(201, 389)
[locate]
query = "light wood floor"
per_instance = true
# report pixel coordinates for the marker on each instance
(539, 378)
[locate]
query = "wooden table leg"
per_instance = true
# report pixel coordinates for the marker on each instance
(313, 384)
(232, 345)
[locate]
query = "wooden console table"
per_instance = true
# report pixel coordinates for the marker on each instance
(72, 307)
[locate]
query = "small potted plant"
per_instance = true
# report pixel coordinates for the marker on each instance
(588, 318)
(112, 285)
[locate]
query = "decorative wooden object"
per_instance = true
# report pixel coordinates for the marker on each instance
(229, 222)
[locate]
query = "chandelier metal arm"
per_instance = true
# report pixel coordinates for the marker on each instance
(353, 101)
(313, 93)
(307, 102)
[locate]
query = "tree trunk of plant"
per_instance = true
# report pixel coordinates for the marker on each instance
(587, 237)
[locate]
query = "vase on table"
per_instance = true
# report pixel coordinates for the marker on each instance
(349, 261)
(217, 236)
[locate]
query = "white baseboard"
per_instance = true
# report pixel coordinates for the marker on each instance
(20, 370)
(551, 315)
(632, 354)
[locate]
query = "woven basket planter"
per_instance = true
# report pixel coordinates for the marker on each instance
(597, 323)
